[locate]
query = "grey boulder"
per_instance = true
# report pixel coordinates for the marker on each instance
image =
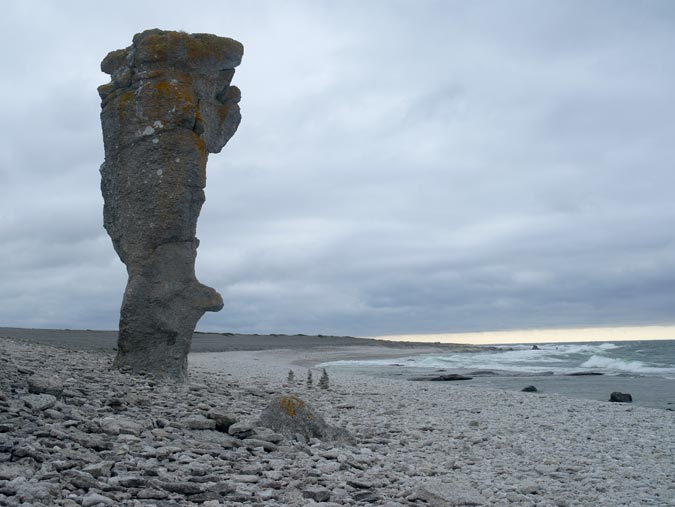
(291, 416)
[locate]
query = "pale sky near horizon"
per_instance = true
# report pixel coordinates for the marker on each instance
(402, 167)
(594, 334)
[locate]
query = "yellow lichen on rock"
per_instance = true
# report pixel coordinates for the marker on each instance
(291, 405)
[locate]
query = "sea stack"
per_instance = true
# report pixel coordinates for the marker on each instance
(168, 105)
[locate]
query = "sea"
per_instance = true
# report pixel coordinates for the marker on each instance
(590, 370)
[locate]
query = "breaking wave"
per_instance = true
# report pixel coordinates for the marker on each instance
(625, 358)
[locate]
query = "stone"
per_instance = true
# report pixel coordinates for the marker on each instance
(241, 429)
(94, 442)
(199, 422)
(91, 499)
(252, 443)
(223, 419)
(53, 414)
(99, 469)
(39, 402)
(618, 397)
(182, 487)
(28, 451)
(359, 484)
(528, 488)
(127, 481)
(261, 433)
(40, 383)
(530, 389)
(291, 416)
(154, 494)
(366, 496)
(455, 492)
(116, 425)
(29, 491)
(80, 479)
(9, 471)
(168, 105)
(317, 494)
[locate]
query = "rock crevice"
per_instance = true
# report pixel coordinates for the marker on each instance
(168, 105)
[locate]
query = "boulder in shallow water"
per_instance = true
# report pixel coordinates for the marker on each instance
(618, 397)
(442, 378)
(291, 416)
(530, 389)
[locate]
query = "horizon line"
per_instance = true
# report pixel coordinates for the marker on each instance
(545, 335)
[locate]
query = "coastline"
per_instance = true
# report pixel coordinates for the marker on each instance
(416, 442)
(106, 341)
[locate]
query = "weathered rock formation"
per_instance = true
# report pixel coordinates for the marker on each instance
(168, 105)
(292, 417)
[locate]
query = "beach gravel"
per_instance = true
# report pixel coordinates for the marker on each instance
(415, 443)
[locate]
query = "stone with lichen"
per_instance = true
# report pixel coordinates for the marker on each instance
(168, 105)
(292, 417)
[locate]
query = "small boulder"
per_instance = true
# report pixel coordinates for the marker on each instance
(253, 443)
(366, 496)
(99, 469)
(79, 479)
(91, 499)
(457, 491)
(318, 494)
(39, 402)
(618, 397)
(45, 384)
(267, 434)
(223, 419)
(199, 422)
(182, 487)
(530, 389)
(9, 471)
(116, 425)
(241, 430)
(291, 416)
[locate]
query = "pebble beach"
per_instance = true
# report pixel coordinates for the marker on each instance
(73, 433)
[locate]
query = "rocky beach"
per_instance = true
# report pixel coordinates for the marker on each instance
(74, 432)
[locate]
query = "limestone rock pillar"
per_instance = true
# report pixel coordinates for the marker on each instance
(168, 105)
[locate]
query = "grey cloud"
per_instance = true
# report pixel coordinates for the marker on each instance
(401, 166)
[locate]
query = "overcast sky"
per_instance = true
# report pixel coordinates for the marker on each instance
(401, 167)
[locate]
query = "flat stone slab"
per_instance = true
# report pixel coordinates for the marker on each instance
(451, 492)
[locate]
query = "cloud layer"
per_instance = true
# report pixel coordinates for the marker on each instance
(402, 166)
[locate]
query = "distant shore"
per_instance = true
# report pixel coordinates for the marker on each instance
(106, 341)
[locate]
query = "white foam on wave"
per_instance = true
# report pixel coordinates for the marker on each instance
(625, 366)
(553, 358)
(562, 348)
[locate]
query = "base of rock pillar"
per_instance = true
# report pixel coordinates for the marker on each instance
(155, 363)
